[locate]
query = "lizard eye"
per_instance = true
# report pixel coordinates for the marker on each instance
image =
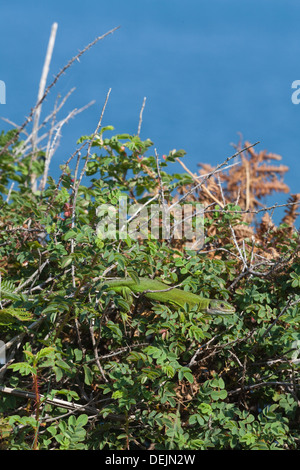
(222, 305)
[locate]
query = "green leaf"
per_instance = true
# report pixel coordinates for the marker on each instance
(45, 352)
(70, 234)
(82, 420)
(218, 395)
(23, 368)
(66, 261)
(88, 375)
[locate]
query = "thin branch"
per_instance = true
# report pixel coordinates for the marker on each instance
(38, 109)
(33, 276)
(218, 167)
(271, 383)
(22, 149)
(52, 84)
(50, 152)
(92, 141)
(141, 117)
(276, 206)
(43, 81)
(52, 401)
(195, 178)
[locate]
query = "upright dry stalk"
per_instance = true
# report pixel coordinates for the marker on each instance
(141, 117)
(41, 92)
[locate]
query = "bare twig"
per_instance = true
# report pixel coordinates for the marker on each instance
(52, 84)
(271, 383)
(77, 184)
(54, 144)
(33, 276)
(26, 145)
(43, 81)
(52, 401)
(196, 178)
(218, 167)
(41, 92)
(141, 117)
(275, 206)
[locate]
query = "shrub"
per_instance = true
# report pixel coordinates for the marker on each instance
(140, 376)
(91, 369)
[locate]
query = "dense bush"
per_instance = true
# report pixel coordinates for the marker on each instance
(85, 370)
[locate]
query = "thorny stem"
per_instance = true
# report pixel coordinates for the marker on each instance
(37, 409)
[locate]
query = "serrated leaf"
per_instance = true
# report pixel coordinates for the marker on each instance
(7, 289)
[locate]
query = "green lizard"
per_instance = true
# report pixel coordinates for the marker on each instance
(155, 289)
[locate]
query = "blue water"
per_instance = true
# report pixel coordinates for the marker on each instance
(209, 70)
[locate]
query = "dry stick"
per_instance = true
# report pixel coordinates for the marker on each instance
(141, 208)
(9, 192)
(59, 107)
(275, 206)
(218, 171)
(41, 92)
(217, 348)
(247, 184)
(57, 77)
(24, 147)
(242, 258)
(195, 178)
(70, 159)
(260, 384)
(43, 81)
(91, 143)
(56, 138)
(52, 401)
(48, 150)
(12, 123)
(252, 273)
(51, 143)
(141, 117)
(119, 351)
(33, 276)
(221, 165)
(222, 205)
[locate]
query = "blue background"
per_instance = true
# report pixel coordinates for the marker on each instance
(209, 70)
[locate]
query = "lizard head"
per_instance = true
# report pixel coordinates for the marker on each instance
(219, 307)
